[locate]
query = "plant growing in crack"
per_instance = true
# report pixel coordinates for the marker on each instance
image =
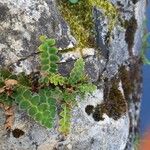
(54, 90)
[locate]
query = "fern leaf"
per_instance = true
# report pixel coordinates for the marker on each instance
(42, 38)
(86, 88)
(69, 98)
(57, 79)
(41, 107)
(77, 73)
(48, 56)
(64, 122)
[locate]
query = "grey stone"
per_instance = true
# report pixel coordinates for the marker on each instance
(21, 24)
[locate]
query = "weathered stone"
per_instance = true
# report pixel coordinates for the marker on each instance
(21, 24)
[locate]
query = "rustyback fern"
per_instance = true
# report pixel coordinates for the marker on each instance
(48, 55)
(64, 122)
(41, 107)
(57, 79)
(77, 73)
(52, 88)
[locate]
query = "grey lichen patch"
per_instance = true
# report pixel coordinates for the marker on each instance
(21, 24)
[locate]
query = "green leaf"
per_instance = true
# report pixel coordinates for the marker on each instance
(42, 38)
(48, 58)
(43, 47)
(53, 50)
(24, 104)
(32, 111)
(64, 122)
(54, 58)
(35, 100)
(40, 106)
(57, 79)
(77, 74)
(50, 42)
(86, 88)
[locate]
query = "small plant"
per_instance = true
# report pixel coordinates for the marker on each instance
(53, 90)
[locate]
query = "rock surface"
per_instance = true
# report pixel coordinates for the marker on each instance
(21, 23)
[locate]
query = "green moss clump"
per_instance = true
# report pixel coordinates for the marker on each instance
(79, 18)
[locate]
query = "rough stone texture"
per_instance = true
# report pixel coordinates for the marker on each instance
(21, 23)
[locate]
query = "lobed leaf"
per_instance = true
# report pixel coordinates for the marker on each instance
(77, 73)
(64, 122)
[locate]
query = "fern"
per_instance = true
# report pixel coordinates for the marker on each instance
(77, 73)
(69, 97)
(57, 79)
(48, 56)
(64, 122)
(41, 107)
(86, 88)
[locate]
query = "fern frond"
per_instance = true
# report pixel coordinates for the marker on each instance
(48, 55)
(69, 98)
(64, 122)
(77, 73)
(41, 107)
(57, 79)
(86, 88)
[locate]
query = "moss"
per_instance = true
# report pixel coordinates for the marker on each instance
(115, 106)
(80, 19)
(131, 27)
(126, 81)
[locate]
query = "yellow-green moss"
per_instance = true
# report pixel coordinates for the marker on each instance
(108, 9)
(79, 18)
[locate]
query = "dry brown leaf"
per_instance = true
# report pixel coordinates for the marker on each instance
(11, 82)
(9, 113)
(2, 90)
